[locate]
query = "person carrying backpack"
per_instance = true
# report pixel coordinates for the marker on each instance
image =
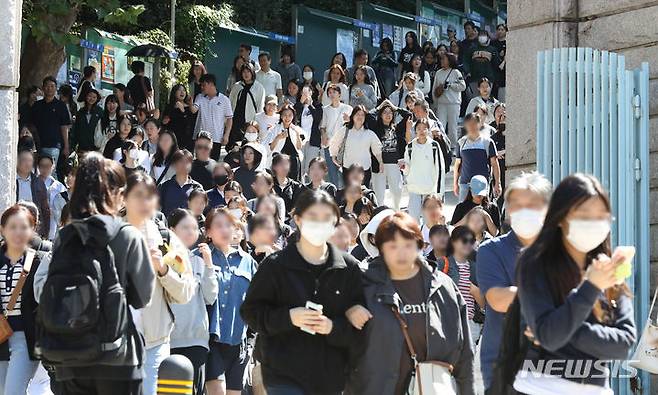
(98, 252)
(423, 166)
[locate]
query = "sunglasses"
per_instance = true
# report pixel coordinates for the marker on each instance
(467, 240)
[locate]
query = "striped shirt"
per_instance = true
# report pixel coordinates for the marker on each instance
(464, 286)
(9, 275)
(213, 112)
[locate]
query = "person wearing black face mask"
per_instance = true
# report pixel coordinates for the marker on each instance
(221, 175)
(203, 165)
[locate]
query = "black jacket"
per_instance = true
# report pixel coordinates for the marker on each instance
(283, 281)
(289, 193)
(40, 199)
(448, 337)
(28, 305)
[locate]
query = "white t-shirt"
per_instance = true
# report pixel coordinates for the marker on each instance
(212, 115)
(270, 80)
(144, 159)
(332, 118)
(306, 121)
(266, 123)
(358, 146)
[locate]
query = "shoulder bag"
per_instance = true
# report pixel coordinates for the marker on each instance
(430, 377)
(645, 356)
(5, 328)
(340, 157)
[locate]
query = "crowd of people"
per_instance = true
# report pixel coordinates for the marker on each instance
(261, 234)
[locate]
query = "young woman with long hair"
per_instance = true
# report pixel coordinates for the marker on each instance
(109, 122)
(577, 308)
(124, 126)
(161, 166)
(180, 116)
(286, 138)
(87, 123)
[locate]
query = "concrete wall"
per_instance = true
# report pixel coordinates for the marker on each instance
(626, 27)
(10, 31)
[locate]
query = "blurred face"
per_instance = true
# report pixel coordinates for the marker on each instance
(287, 117)
(49, 89)
(316, 172)
(476, 223)
(356, 177)
(202, 148)
(140, 202)
(197, 205)
(239, 63)
(433, 213)
(221, 231)
(359, 119)
(265, 234)
(342, 238)
(112, 106)
(439, 241)
(445, 63)
(18, 231)
(264, 62)
(238, 235)
(472, 128)
(45, 167)
(183, 166)
(463, 246)
(353, 193)
(187, 231)
(399, 253)
(261, 187)
(166, 142)
(293, 89)
(180, 93)
(25, 163)
(282, 169)
(248, 156)
(485, 89)
(522, 198)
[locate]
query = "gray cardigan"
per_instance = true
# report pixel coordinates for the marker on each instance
(378, 360)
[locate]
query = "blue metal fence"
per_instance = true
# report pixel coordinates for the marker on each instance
(593, 117)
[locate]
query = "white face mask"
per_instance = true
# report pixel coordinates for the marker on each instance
(585, 235)
(134, 154)
(250, 137)
(308, 75)
(316, 232)
(236, 213)
(483, 40)
(527, 222)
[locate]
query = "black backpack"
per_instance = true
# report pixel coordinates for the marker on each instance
(83, 311)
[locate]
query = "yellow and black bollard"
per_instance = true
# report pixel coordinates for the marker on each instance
(175, 376)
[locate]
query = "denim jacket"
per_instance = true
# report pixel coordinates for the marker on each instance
(234, 273)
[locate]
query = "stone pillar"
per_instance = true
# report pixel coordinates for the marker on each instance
(10, 53)
(534, 25)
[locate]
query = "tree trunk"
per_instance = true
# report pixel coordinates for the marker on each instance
(44, 57)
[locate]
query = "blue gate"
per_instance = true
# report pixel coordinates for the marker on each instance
(593, 117)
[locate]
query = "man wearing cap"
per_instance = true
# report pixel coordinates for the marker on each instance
(476, 155)
(270, 79)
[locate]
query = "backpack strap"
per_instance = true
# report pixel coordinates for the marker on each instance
(15, 293)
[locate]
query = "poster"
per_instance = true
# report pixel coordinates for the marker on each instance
(107, 69)
(376, 35)
(253, 56)
(345, 44)
(398, 38)
(92, 58)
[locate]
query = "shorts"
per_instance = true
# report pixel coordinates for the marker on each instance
(227, 361)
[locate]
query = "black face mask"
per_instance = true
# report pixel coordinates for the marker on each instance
(220, 180)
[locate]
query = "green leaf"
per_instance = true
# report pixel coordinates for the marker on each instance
(124, 16)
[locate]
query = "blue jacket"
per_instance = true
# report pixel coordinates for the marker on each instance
(569, 331)
(173, 195)
(234, 273)
(215, 199)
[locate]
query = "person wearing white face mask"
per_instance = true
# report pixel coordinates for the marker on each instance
(526, 197)
(576, 306)
(130, 157)
(304, 349)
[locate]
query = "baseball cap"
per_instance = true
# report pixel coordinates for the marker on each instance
(479, 186)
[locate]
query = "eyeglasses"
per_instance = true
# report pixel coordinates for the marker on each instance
(202, 147)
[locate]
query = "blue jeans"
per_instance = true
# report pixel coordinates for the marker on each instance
(154, 357)
(333, 175)
(415, 206)
(15, 374)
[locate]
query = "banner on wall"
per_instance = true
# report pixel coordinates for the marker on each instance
(377, 35)
(107, 69)
(398, 38)
(345, 44)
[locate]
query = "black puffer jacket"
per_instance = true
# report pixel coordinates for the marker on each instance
(283, 281)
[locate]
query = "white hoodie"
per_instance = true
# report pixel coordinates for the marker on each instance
(424, 165)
